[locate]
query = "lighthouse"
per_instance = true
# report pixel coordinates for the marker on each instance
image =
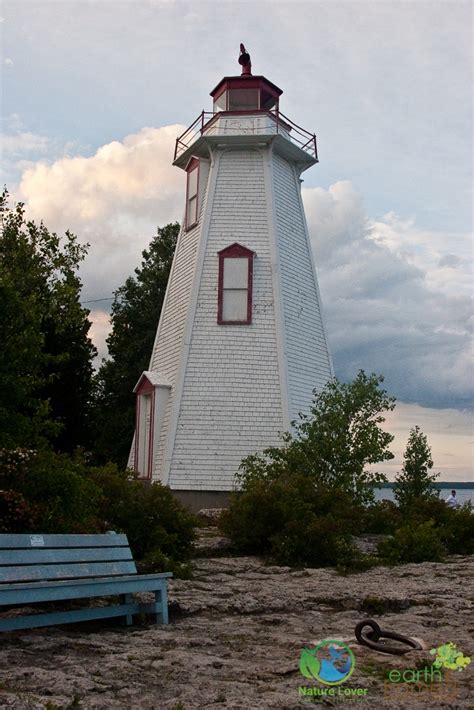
(240, 345)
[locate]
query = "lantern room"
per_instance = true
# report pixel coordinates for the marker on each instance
(245, 110)
(245, 93)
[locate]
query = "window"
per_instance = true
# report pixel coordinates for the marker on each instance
(220, 103)
(192, 193)
(235, 286)
(243, 99)
(268, 101)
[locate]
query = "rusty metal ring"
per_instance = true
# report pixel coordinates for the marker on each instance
(370, 639)
(374, 635)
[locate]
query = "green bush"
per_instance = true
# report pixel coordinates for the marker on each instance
(293, 520)
(457, 531)
(422, 509)
(16, 514)
(413, 543)
(316, 542)
(62, 499)
(160, 530)
(381, 518)
(52, 493)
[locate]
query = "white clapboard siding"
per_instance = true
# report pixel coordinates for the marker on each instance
(308, 360)
(231, 400)
(235, 388)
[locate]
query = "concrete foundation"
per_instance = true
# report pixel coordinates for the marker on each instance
(197, 500)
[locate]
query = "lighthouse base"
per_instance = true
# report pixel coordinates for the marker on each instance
(197, 500)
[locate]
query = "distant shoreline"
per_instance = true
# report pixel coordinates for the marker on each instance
(439, 484)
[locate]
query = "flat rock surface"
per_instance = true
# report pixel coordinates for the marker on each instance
(236, 633)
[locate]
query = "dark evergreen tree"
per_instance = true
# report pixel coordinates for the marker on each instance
(135, 314)
(46, 355)
(415, 481)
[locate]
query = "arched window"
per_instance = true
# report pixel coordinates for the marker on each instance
(192, 192)
(234, 300)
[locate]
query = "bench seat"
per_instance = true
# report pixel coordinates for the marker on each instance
(72, 578)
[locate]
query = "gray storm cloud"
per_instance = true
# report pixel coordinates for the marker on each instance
(387, 308)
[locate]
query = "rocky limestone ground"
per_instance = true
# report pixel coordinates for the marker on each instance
(236, 633)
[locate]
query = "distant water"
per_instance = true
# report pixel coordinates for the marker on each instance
(462, 494)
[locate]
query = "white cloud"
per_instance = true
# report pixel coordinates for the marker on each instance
(114, 200)
(23, 142)
(21, 149)
(8, 62)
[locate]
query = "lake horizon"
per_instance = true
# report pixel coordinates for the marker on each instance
(464, 490)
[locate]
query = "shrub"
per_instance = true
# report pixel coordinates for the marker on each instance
(381, 518)
(52, 493)
(455, 526)
(64, 500)
(413, 543)
(16, 514)
(422, 509)
(316, 542)
(160, 530)
(457, 531)
(293, 520)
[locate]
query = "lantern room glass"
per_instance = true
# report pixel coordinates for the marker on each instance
(246, 99)
(243, 99)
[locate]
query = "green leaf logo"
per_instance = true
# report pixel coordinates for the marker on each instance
(448, 656)
(309, 664)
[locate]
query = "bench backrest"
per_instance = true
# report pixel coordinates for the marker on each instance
(30, 558)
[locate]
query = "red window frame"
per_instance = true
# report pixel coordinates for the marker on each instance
(192, 165)
(231, 252)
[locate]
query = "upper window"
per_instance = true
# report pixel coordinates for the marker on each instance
(192, 193)
(235, 285)
(243, 99)
(220, 103)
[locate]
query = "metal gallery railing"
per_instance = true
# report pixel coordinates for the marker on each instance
(282, 124)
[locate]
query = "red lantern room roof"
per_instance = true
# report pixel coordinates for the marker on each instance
(247, 81)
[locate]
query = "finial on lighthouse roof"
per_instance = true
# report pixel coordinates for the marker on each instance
(244, 60)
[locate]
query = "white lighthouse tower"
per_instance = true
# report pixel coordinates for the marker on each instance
(240, 345)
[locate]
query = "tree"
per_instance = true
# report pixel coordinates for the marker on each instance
(336, 441)
(46, 355)
(415, 482)
(135, 314)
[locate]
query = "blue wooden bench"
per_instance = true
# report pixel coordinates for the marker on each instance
(50, 568)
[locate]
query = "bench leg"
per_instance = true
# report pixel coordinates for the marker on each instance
(127, 619)
(161, 606)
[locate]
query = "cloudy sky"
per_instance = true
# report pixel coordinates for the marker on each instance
(95, 92)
